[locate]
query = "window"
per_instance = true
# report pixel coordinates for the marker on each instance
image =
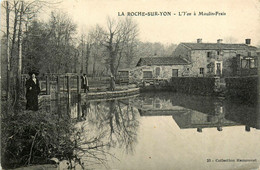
(245, 63)
(124, 74)
(210, 70)
(147, 74)
(249, 54)
(210, 67)
(174, 72)
(218, 52)
(248, 63)
(208, 54)
(252, 63)
(188, 69)
(148, 101)
(157, 104)
(201, 70)
(157, 71)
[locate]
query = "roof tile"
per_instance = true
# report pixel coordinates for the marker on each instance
(148, 61)
(218, 46)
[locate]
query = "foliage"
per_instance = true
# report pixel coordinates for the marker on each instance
(35, 137)
(50, 46)
(118, 39)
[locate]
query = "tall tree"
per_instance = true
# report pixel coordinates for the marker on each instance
(7, 48)
(96, 50)
(117, 35)
(18, 14)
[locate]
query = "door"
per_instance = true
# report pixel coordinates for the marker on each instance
(218, 69)
(157, 71)
(174, 72)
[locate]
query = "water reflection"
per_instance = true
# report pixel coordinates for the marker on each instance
(106, 124)
(198, 111)
(134, 130)
(115, 124)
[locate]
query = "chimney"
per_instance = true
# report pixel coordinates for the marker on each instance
(219, 41)
(248, 41)
(199, 40)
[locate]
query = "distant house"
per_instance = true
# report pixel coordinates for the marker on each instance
(216, 59)
(161, 68)
(152, 68)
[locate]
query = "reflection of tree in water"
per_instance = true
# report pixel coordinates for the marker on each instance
(123, 125)
(36, 137)
(107, 124)
(117, 121)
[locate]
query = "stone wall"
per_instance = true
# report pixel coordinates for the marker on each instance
(110, 94)
(195, 85)
(244, 88)
(199, 59)
(136, 74)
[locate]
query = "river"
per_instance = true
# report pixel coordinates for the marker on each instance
(168, 131)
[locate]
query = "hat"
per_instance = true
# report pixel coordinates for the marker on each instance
(33, 72)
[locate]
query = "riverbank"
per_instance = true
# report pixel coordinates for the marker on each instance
(244, 88)
(93, 93)
(111, 94)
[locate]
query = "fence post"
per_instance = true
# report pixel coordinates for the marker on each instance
(58, 87)
(258, 93)
(68, 88)
(64, 77)
(78, 84)
(79, 96)
(47, 85)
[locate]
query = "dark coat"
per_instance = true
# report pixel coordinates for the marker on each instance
(32, 94)
(84, 84)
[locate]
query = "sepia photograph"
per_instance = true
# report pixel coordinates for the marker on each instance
(130, 85)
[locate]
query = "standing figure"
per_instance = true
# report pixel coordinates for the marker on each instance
(32, 92)
(112, 82)
(84, 83)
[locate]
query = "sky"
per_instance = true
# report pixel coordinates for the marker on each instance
(241, 19)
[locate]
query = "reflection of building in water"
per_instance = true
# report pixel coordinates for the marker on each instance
(187, 118)
(204, 109)
(158, 107)
(246, 115)
(195, 119)
(258, 118)
(156, 103)
(188, 111)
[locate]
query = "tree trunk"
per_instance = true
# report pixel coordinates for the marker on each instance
(112, 110)
(82, 54)
(112, 69)
(15, 25)
(7, 51)
(94, 68)
(19, 69)
(87, 57)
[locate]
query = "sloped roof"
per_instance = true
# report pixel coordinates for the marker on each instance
(149, 61)
(218, 46)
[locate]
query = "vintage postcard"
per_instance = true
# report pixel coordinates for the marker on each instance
(130, 85)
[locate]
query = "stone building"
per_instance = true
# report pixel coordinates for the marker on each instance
(215, 59)
(196, 60)
(160, 68)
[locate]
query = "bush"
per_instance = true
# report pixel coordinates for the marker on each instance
(34, 137)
